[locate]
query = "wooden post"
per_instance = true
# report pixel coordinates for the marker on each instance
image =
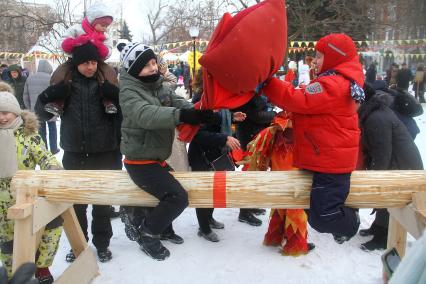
(397, 236)
(24, 239)
(73, 231)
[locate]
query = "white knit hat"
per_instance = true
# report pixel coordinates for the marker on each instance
(9, 103)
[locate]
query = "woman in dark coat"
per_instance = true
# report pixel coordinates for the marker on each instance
(386, 145)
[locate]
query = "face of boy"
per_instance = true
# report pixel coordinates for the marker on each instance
(318, 61)
(101, 28)
(150, 68)
(6, 118)
(88, 68)
(14, 74)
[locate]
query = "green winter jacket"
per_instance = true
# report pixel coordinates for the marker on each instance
(31, 152)
(150, 115)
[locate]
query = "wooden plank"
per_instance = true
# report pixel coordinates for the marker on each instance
(45, 211)
(73, 231)
(397, 236)
(289, 189)
(82, 271)
(419, 201)
(20, 211)
(407, 218)
(24, 241)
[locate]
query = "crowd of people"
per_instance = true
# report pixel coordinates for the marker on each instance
(368, 123)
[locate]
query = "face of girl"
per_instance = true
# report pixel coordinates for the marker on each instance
(318, 61)
(101, 28)
(6, 118)
(150, 68)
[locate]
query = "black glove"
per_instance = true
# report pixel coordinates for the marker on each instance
(196, 116)
(59, 91)
(110, 91)
(23, 275)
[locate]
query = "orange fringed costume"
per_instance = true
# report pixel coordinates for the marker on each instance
(273, 148)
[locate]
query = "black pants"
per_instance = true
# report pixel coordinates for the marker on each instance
(327, 213)
(101, 222)
(157, 181)
(382, 218)
(204, 215)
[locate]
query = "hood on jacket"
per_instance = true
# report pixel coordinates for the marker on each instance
(15, 67)
(30, 122)
(380, 100)
(98, 10)
(340, 54)
(45, 67)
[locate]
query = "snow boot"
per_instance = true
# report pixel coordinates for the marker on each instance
(43, 275)
(368, 232)
(212, 236)
(378, 242)
(70, 257)
(131, 222)
(216, 224)
(172, 237)
(104, 255)
(250, 219)
(151, 244)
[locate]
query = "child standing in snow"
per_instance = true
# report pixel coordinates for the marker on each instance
(326, 133)
(22, 148)
(151, 112)
(92, 29)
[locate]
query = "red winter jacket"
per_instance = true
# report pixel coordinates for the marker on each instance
(325, 122)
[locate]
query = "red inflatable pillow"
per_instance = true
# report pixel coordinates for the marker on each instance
(248, 48)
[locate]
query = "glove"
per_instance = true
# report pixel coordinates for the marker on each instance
(110, 91)
(196, 116)
(23, 275)
(59, 91)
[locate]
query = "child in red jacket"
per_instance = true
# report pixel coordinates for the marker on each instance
(326, 131)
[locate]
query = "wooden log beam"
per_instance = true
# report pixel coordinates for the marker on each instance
(289, 189)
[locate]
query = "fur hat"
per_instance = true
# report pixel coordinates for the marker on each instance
(134, 56)
(5, 87)
(9, 103)
(337, 48)
(84, 53)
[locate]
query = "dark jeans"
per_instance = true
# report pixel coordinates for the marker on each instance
(53, 135)
(157, 181)
(327, 213)
(101, 222)
(204, 215)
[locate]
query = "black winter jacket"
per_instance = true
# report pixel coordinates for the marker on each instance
(258, 118)
(85, 127)
(209, 140)
(386, 142)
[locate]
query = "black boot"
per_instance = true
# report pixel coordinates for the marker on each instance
(131, 222)
(104, 255)
(379, 240)
(311, 246)
(212, 236)
(249, 218)
(151, 244)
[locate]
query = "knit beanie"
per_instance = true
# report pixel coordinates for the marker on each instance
(337, 48)
(104, 21)
(134, 57)
(9, 103)
(84, 53)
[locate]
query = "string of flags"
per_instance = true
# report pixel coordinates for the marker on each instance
(294, 47)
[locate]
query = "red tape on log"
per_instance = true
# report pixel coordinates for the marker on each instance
(219, 189)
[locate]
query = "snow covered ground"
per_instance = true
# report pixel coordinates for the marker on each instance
(240, 256)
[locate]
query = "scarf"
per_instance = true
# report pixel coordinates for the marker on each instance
(357, 92)
(8, 149)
